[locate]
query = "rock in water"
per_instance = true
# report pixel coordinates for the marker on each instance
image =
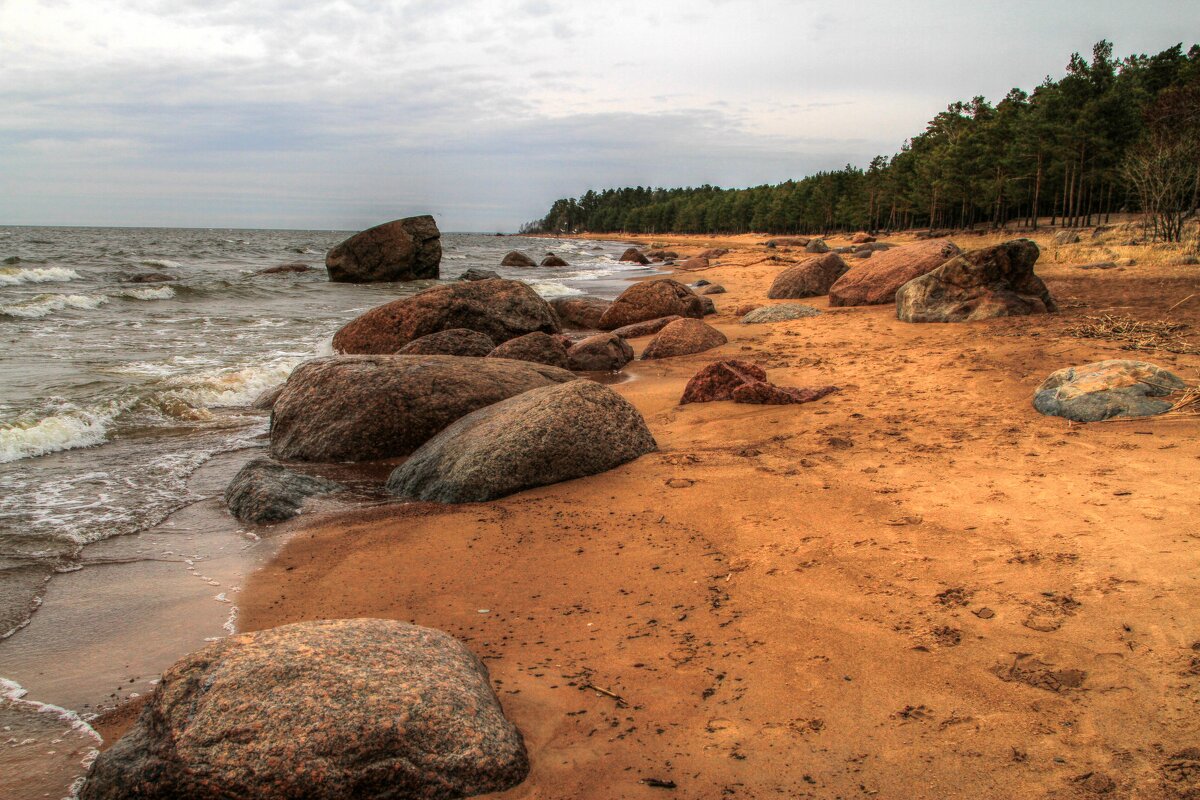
(403, 250)
(454, 342)
(478, 274)
(538, 347)
(811, 278)
(991, 282)
(552, 260)
(516, 258)
(649, 300)
(364, 408)
(647, 328)
(876, 282)
(684, 337)
(604, 352)
(635, 256)
(1106, 389)
(743, 382)
(500, 309)
(783, 312)
(263, 491)
(540, 437)
(325, 710)
(580, 312)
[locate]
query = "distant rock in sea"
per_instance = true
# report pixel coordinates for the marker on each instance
(403, 250)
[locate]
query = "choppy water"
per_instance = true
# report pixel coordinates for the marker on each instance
(113, 392)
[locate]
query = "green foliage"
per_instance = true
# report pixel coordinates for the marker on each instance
(1059, 152)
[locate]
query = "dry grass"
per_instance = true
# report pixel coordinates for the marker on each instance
(1134, 334)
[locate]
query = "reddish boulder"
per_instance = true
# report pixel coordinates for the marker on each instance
(788, 241)
(552, 260)
(516, 258)
(876, 282)
(694, 263)
(684, 337)
(862, 238)
(403, 250)
(650, 300)
(810, 278)
(454, 342)
(580, 311)
(499, 308)
(743, 382)
(604, 352)
(713, 252)
(538, 347)
(634, 256)
(647, 328)
(663, 254)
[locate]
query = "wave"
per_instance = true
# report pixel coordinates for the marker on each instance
(161, 262)
(552, 289)
(220, 388)
(12, 277)
(66, 430)
(45, 304)
(157, 293)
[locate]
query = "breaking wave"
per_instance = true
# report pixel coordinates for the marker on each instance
(43, 305)
(12, 276)
(66, 430)
(157, 293)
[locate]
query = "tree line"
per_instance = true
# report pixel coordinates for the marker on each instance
(1109, 135)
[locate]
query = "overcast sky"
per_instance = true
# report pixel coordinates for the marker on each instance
(346, 113)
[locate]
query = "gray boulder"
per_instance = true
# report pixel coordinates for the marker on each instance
(1066, 237)
(1107, 389)
(263, 492)
(816, 246)
(543, 436)
(780, 313)
(478, 274)
(403, 250)
(324, 710)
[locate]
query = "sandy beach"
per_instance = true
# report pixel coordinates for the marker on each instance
(915, 587)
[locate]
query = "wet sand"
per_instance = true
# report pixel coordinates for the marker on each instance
(916, 587)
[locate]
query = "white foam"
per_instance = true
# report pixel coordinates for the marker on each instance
(162, 262)
(13, 276)
(45, 304)
(228, 387)
(14, 692)
(67, 430)
(157, 293)
(551, 289)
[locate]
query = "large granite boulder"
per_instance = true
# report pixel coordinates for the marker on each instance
(604, 352)
(816, 246)
(647, 328)
(991, 282)
(811, 278)
(552, 260)
(538, 347)
(540, 437)
(1063, 238)
(515, 258)
(324, 710)
(264, 492)
(784, 312)
(364, 408)
(862, 238)
(453, 342)
(788, 241)
(649, 300)
(684, 337)
(580, 311)
(500, 309)
(875, 283)
(743, 382)
(1106, 389)
(402, 250)
(634, 256)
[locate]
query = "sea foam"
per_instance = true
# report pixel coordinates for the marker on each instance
(43, 305)
(12, 276)
(63, 431)
(157, 293)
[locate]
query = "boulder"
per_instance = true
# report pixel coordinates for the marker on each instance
(635, 256)
(1100, 265)
(816, 246)
(789, 241)
(477, 274)
(810, 278)
(694, 263)
(543, 436)
(780, 313)
(862, 238)
(715, 288)
(991, 282)
(743, 382)
(707, 305)
(364, 408)
(403, 250)
(647, 328)
(876, 283)
(604, 352)
(266, 399)
(501, 309)
(453, 342)
(284, 269)
(552, 260)
(862, 254)
(712, 252)
(745, 308)
(323, 710)
(701, 282)
(663, 254)
(683, 337)
(538, 347)
(263, 492)
(649, 300)
(516, 258)
(1065, 237)
(580, 311)
(1107, 389)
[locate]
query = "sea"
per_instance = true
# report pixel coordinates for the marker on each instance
(125, 404)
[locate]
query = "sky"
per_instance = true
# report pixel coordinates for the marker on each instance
(341, 114)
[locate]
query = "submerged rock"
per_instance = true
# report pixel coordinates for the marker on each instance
(779, 313)
(284, 269)
(365, 408)
(500, 309)
(1107, 389)
(538, 347)
(743, 382)
(810, 278)
(543, 436)
(325, 710)
(876, 283)
(454, 342)
(515, 258)
(478, 274)
(580, 311)
(263, 491)
(991, 282)
(604, 352)
(143, 277)
(684, 337)
(635, 256)
(650, 300)
(402, 250)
